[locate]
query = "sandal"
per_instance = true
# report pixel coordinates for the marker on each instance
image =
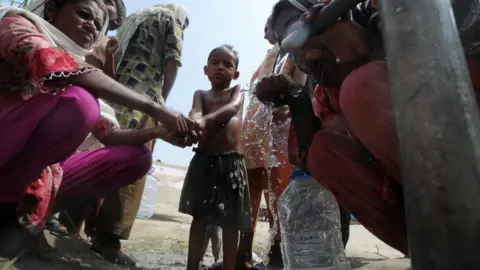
(54, 226)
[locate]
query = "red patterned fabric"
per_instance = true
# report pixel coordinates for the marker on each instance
(48, 61)
(39, 199)
(27, 62)
(28, 59)
(326, 105)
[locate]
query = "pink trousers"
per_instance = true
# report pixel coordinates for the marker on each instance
(47, 129)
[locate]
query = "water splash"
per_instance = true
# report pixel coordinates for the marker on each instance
(258, 138)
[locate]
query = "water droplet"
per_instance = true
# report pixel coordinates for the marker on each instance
(234, 186)
(221, 206)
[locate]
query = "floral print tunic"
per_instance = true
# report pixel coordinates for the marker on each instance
(261, 137)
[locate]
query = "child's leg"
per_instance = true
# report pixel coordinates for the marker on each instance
(280, 178)
(198, 231)
(216, 242)
(257, 180)
(208, 235)
(230, 244)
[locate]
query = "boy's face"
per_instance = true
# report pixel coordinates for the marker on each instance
(221, 68)
(115, 21)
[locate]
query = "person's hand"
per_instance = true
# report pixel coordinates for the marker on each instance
(341, 42)
(179, 125)
(201, 124)
(344, 43)
(193, 137)
(280, 114)
(181, 142)
(113, 45)
(273, 89)
(162, 132)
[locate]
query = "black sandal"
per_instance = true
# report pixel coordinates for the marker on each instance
(116, 256)
(54, 226)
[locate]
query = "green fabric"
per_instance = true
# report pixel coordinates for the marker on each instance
(216, 190)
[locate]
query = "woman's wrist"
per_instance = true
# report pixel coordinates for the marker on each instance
(157, 112)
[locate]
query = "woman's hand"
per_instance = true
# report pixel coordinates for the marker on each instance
(274, 89)
(183, 141)
(182, 125)
(177, 124)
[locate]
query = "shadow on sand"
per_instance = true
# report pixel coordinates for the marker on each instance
(166, 218)
(359, 262)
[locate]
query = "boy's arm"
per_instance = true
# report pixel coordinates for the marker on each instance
(111, 50)
(197, 107)
(103, 56)
(227, 111)
(97, 57)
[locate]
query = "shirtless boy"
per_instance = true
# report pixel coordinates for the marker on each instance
(215, 190)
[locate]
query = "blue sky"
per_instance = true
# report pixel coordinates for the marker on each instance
(212, 23)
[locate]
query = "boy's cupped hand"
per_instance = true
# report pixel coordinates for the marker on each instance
(113, 46)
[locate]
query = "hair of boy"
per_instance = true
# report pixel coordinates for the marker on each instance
(228, 48)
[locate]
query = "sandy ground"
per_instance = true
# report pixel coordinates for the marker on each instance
(161, 243)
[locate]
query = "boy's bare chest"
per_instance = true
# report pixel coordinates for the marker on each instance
(213, 103)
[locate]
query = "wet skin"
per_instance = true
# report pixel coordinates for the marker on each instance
(219, 136)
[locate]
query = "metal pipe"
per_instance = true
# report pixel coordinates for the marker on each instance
(438, 127)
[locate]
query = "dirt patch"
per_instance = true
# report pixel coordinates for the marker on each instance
(162, 241)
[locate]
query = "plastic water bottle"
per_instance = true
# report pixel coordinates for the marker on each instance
(148, 205)
(310, 226)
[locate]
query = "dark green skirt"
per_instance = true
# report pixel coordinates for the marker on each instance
(216, 190)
